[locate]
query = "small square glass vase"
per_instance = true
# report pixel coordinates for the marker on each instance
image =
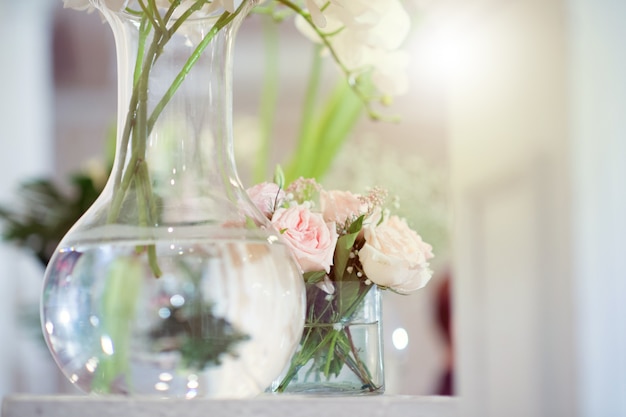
(341, 350)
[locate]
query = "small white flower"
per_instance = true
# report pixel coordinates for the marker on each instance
(365, 35)
(327, 286)
(316, 13)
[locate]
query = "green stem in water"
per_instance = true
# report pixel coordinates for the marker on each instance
(363, 372)
(331, 350)
(338, 344)
(118, 303)
(147, 212)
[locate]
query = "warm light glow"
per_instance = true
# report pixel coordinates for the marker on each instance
(177, 300)
(161, 386)
(166, 377)
(64, 317)
(107, 345)
(164, 312)
(92, 365)
(448, 50)
(400, 338)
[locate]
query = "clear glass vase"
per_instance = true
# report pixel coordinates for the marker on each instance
(341, 350)
(173, 283)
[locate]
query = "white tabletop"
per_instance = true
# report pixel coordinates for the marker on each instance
(270, 406)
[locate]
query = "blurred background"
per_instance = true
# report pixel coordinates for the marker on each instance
(509, 157)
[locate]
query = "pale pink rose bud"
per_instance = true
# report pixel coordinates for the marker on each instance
(395, 256)
(267, 197)
(339, 206)
(311, 239)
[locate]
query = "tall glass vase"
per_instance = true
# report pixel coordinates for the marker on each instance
(173, 283)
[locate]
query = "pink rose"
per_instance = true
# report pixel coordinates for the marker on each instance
(266, 196)
(395, 256)
(311, 239)
(339, 206)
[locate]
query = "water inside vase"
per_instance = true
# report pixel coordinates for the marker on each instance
(221, 319)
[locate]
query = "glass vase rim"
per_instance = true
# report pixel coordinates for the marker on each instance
(194, 18)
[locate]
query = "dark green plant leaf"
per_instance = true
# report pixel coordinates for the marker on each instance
(42, 213)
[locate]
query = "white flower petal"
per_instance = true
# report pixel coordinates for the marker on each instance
(316, 14)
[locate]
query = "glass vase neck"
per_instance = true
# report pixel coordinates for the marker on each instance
(174, 156)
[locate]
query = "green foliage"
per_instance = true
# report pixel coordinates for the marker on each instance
(44, 213)
(201, 336)
(314, 277)
(327, 339)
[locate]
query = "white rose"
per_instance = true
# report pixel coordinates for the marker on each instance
(395, 256)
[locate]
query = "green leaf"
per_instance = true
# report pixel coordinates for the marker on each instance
(314, 277)
(356, 226)
(279, 177)
(250, 223)
(342, 251)
(208, 339)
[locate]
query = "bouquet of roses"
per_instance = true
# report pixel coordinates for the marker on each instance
(346, 245)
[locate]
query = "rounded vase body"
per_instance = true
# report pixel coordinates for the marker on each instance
(173, 283)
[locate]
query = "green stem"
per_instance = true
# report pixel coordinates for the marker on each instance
(338, 120)
(303, 356)
(119, 302)
(224, 19)
(335, 342)
(134, 124)
(301, 161)
(325, 39)
(144, 30)
(147, 212)
(269, 97)
(331, 350)
(362, 373)
(160, 23)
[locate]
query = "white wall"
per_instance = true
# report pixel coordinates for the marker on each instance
(597, 85)
(26, 149)
(537, 154)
